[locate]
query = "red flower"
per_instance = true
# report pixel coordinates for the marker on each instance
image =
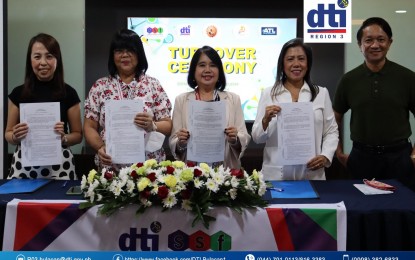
(152, 176)
(190, 164)
(108, 175)
(170, 170)
(134, 174)
(186, 194)
(197, 172)
(163, 192)
(145, 194)
(238, 173)
(139, 164)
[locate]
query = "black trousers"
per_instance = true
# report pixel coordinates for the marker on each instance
(363, 164)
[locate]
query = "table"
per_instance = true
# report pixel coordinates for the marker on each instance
(381, 222)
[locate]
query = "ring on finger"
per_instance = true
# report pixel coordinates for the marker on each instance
(145, 123)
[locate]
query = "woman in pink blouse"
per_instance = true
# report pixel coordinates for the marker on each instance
(127, 65)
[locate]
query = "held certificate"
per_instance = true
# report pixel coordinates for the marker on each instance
(123, 139)
(207, 122)
(42, 145)
(295, 133)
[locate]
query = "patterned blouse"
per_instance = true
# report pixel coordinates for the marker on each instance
(146, 88)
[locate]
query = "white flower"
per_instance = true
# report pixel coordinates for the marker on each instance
(90, 193)
(198, 183)
(146, 202)
(103, 180)
(115, 188)
(99, 197)
(249, 184)
(262, 189)
(186, 205)
(124, 172)
(218, 178)
(83, 182)
(154, 190)
(234, 182)
(212, 185)
(170, 201)
(130, 186)
(233, 193)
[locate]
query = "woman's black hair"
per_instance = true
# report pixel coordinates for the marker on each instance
(215, 58)
(58, 83)
(281, 77)
(129, 40)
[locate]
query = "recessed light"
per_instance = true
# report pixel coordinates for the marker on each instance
(400, 11)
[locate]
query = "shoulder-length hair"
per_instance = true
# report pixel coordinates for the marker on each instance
(215, 58)
(129, 40)
(281, 77)
(58, 83)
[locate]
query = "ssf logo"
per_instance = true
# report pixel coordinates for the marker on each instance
(327, 20)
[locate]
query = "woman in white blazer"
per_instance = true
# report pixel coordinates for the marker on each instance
(294, 84)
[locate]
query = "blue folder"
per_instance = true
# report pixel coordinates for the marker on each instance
(293, 190)
(22, 185)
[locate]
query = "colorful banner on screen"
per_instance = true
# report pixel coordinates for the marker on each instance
(249, 49)
(61, 225)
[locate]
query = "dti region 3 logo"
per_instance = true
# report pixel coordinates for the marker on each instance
(327, 21)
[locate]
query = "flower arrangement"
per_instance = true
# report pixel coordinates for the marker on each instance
(193, 188)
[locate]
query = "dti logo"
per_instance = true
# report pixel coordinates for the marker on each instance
(336, 18)
(148, 241)
(185, 30)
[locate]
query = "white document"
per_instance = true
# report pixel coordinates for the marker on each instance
(123, 139)
(42, 145)
(367, 190)
(207, 122)
(296, 133)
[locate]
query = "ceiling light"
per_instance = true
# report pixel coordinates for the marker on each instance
(400, 11)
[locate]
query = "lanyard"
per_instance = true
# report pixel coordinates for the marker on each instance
(215, 95)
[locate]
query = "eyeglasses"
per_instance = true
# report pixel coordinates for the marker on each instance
(121, 51)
